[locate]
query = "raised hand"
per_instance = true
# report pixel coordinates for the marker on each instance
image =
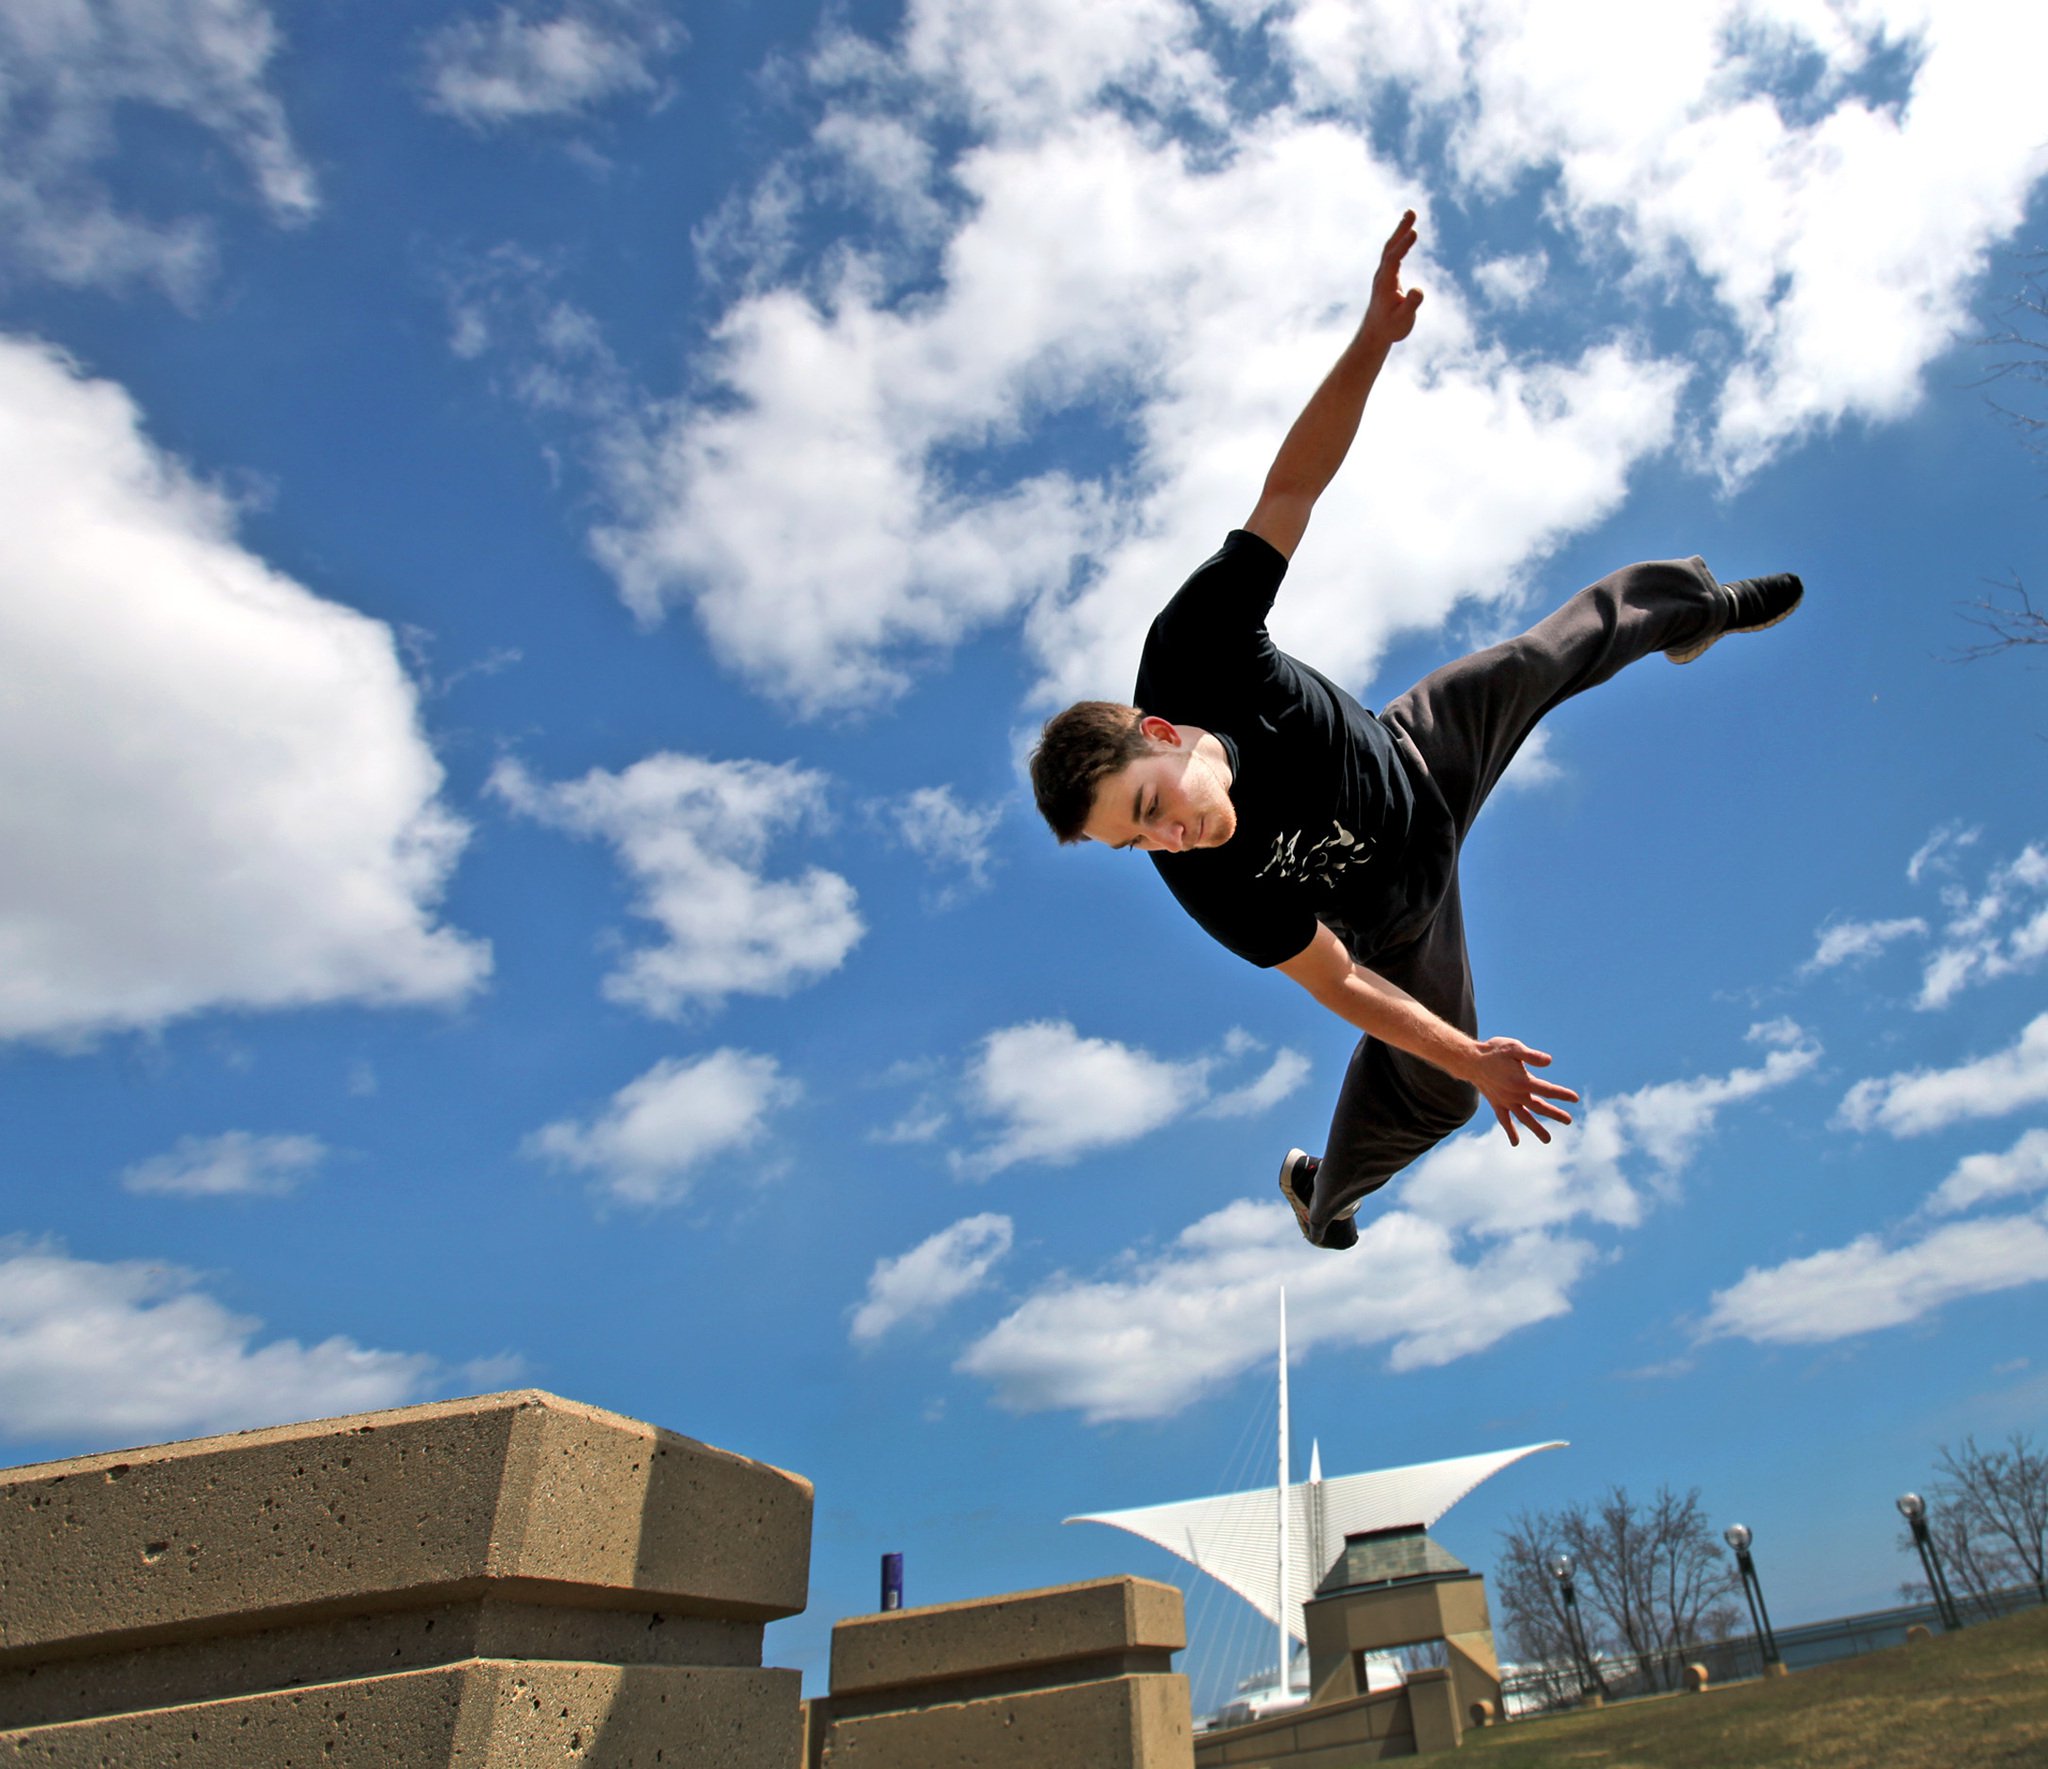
(1390, 313)
(1500, 1070)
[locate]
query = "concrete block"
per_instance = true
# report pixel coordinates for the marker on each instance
(1076, 1675)
(358, 1576)
(1062, 1624)
(1433, 1709)
(482, 1714)
(1118, 1723)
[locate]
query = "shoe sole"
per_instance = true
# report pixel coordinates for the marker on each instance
(1294, 1203)
(1686, 653)
(1287, 1191)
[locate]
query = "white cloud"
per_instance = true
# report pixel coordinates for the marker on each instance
(932, 1276)
(1056, 1095)
(1842, 942)
(1168, 1328)
(944, 833)
(1937, 851)
(132, 1352)
(653, 1135)
(1863, 1286)
(693, 835)
(1468, 1246)
(1914, 1101)
(1287, 1071)
(1743, 139)
(526, 61)
(1513, 281)
(1996, 933)
(67, 72)
(219, 794)
(235, 1163)
(1478, 1184)
(1534, 767)
(851, 488)
(1975, 1178)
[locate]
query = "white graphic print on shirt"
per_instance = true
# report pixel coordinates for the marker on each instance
(1323, 863)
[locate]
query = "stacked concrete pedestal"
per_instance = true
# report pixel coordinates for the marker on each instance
(1073, 1677)
(496, 1583)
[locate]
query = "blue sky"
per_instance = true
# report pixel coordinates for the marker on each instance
(536, 538)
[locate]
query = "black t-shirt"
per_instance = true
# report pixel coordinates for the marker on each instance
(1324, 803)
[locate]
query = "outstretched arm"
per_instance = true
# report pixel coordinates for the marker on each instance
(1498, 1067)
(1321, 437)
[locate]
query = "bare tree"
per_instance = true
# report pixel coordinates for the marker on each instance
(1992, 1516)
(2011, 619)
(1652, 1580)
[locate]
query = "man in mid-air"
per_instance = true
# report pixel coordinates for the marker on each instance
(1313, 837)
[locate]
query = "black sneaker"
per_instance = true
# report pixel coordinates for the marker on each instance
(1759, 602)
(1298, 1187)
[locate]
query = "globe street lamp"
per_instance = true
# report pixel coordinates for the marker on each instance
(1737, 1536)
(1575, 1632)
(1913, 1508)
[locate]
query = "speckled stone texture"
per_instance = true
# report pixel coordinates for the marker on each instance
(506, 1580)
(1073, 1677)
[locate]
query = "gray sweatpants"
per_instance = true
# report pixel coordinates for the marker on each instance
(1457, 730)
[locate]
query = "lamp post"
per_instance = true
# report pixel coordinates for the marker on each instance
(1590, 1682)
(1737, 1536)
(1913, 1508)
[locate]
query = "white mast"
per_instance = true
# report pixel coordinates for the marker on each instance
(1281, 1496)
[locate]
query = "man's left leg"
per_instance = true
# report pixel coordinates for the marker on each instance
(1465, 722)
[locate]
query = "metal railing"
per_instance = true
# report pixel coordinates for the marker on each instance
(1545, 1688)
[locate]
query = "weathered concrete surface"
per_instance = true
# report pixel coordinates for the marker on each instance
(1344, 1625)
(1119, 1723)
(1026, 1629)
(1073, 1677)
(416, 1558)
(1331, 1735)
(482, 1714)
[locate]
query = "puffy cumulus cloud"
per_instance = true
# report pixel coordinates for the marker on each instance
(133, 1352)
(219, 794)
(1159, 1333)
(233, 1164)
(1866, 1285)
(1836, 177)
(647, 1143)
(1912, 1102)
(1996, 932)
(1055, 1095)
(66, 74)
(1849, 942)
(1478, 1184)
(1473, 1243)
(526, 61)
(1976, 1178)
(932, 1276)
(853, 489)
(693, 835)
(840, 421)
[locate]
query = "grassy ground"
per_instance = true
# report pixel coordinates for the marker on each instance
(1974, 1700)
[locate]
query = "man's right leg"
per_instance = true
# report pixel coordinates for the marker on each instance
(1393, 1107)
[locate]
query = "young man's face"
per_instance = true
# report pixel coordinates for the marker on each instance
(1174, 797)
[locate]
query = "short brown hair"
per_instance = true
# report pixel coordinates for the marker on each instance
(1077, 751)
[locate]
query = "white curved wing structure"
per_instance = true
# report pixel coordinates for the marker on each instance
(1232, 1537)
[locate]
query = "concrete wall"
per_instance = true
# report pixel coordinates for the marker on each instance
(1073, 1677)
(1345, 1625)
(493, 1582)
